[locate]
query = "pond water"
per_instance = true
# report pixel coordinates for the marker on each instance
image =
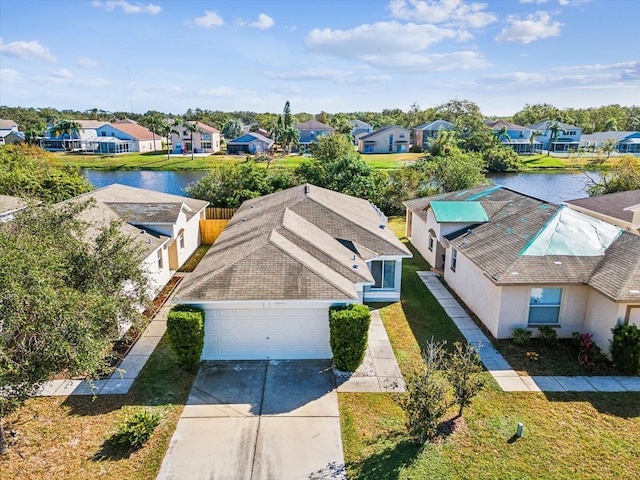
(550, 186)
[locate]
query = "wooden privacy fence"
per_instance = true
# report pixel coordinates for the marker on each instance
(217, 219)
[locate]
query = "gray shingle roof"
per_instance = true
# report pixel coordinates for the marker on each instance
(496, 246)
(544, 125)
(286, 246)
(382, 130)
(313, 125)
(612, 204)
(604, 136)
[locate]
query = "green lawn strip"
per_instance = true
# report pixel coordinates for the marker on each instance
(194, 259)
(65, 437)
(567, 435)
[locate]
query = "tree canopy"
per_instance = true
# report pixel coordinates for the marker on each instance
(29, 171)
(624, 175)
(66, 290)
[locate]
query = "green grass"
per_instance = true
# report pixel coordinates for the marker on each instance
(66, 437)
(194, 259)
(542, 161)
(567, 435)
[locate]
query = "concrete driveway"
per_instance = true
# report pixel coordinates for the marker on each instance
(258, 420)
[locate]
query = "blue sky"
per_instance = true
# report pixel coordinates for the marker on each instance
(331, 55)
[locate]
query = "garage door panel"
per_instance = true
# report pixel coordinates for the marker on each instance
(253, 334)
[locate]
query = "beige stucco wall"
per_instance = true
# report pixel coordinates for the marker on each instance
(601, 316)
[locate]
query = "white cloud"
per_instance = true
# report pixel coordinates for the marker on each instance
(633, 65)
(63, 73)
(9, 75)
(561, 2)
(86, 62)
(209, 19)
(448, 12)
(435, 62)
(128, 8)
(26, 50)
(225, 92)
(264, 22)
(335, 76)
(535, 26)
(379, 38)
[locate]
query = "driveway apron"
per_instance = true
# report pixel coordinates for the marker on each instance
(258, 420)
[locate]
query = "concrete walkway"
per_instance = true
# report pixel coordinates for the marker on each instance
(120, 381)
(380, 371)
(499, 368)
(258, 420)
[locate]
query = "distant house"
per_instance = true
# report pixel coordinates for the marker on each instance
(267, 283)
(207, 140)
(424, 134)
(360, 129)
(251, 142)
(72, 142)
(9, 132)
(166, 227)
(621, 209)
(517, 261)
(568, 136)
(121, 137)
(625, 142)
(391, 139)
(310, 131)
(517, 137)
(9, 206)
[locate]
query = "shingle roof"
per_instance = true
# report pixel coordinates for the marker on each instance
(604, 136)
(290, 245)
(382, 130)
(544, 125)
(436, 125)
(359, 124)
(136, 131)
(313, 125)
(248, 138)
(91, 123)
(509, 125)
(612, 204)
(515, 220)
(7, 124)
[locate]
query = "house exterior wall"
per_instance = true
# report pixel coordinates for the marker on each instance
(398, 139)
(309, 136)
(601, 316)
(158, 275)
(385, 295)
(201, 141)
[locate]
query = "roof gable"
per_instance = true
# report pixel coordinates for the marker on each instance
(459, 212)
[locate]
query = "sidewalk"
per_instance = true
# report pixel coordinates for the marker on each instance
(120, 381)
(499, 368)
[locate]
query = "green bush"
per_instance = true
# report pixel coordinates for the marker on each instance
(185, 328)
(349, 327)
(134, 432)
(625, 348)
(548, 336)
(521, 336)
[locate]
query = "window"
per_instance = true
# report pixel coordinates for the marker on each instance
(384, 273)
(181, 241)
(160, 261)
(206, 136)
(206, 145)
(544, 305)
(368, 149)
(431, 239)
(401, 135)
(454, 259)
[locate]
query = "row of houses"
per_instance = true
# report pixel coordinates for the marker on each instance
(267, 283)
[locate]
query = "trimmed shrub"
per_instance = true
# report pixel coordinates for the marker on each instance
(134, 432)
(185, 327)
(349, 330)
(548, 336)
(625, 348)
(521, 336)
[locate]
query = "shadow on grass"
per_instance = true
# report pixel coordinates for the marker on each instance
(161, 382)
(387, 463)
(619, 404)
(110, 451)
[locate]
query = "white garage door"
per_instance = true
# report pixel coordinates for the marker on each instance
(263, 334)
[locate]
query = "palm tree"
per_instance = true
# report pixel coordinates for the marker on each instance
(532, 138)
(192, 127)
(443, 143)
(611, 125)
(289, 136)
(166, 130)
(33, 131)
(555, 128)
(64, 127)
(502, 133)
(153, 123)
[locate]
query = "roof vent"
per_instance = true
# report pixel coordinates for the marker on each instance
(244, 219)
(149, 241)
(634, 291)
(382, 225)
(557, 263)
(250, 206)
(306, 189)
(355, 265)
(142, 232)
(469, 232)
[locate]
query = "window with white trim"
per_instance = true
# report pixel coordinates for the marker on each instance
(544, 305)
(431, 242)
(384, 274)
(181, 241)
(160, 259)
(454, 259)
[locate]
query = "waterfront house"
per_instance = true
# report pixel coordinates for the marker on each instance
(310, 131)
(205, 140)
(424, 134)
(517, 137)
(390, 139)
(360, 129)
(567, 139)
(250, 142)
(623, 142)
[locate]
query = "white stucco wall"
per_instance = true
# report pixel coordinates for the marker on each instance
(158, 277)
(601, 316)
(385, 295)
(420, 238)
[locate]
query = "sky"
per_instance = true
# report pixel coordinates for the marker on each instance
(321, 55)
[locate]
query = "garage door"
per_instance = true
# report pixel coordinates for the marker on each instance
(263, 334)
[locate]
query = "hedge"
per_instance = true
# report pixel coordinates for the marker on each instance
(349, 332)
(185, 327)
(625, 348)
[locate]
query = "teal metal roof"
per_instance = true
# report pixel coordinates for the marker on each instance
(459, 211)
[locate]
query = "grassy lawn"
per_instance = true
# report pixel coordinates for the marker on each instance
(194, 259)
(567, 435)
(159, 161)
(64, 437)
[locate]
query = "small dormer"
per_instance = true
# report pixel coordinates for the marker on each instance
(635, 221)
(452, 216)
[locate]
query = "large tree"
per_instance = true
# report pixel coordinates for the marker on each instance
(66, 127)
(28, 171)
(624, 175)
(66, 290)
(191, 128)
(232, 130)
(456, 170)
(166, 130)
